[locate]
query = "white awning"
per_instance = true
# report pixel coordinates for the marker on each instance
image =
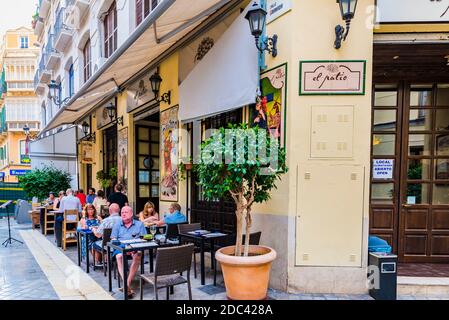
(162, 28)
(226, 78)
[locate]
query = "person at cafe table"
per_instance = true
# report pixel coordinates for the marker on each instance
(174, 217)
(70, 202)
(108, 223)
(128, 229)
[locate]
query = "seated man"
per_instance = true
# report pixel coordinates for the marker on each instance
(108, 223)
(174, 217)
(128, 229)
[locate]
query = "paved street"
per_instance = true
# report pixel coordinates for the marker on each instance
(41, 273)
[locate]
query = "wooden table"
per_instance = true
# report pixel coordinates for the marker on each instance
(202, 239)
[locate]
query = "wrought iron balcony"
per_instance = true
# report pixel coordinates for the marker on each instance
(63, 34)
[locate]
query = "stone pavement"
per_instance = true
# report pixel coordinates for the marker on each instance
(38, 270)
(21, 278)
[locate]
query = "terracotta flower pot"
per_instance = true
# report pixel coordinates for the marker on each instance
(246, 278)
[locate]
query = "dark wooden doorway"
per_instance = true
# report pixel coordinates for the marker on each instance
(147, 162)
(110, 152)
(410, 203)
(218, 214)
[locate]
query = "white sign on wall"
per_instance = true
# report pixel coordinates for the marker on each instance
(383, 168)
(276, 8)
(412, 11)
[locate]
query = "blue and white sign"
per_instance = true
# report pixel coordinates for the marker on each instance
(276, 8)
(383, 168)
(14, 172)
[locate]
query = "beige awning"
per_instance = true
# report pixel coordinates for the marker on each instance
(162, 28)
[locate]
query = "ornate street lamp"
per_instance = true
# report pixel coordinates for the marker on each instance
(257, 17)
(85, 127)
(347, 11)
(112, 113)
(155, 81)
(55, 89)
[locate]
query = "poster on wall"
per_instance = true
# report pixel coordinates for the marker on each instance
(122, 161)
(87, 152)
(269, 111)
(169, 141)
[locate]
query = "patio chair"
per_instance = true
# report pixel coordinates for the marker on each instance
(185, 228)
(49, 221)
(69, 225)
(104, 253)
(172, 230)
(170, 263)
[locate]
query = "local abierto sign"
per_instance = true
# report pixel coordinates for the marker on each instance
(412, 11)
(383, 168)
(332, 77)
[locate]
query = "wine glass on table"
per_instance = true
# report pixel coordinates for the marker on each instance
(153, 230)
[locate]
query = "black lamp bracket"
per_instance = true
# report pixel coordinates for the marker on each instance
(269, 44)
(341, 33)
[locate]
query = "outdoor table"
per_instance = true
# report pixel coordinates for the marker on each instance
(83, 233)
(202, 238)
(141, 246)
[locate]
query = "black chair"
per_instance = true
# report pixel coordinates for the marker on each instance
(172, 230)
(186, 228)
(170, 263)
(104, 253)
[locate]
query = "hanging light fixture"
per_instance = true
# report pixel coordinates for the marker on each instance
(347, 11)
(55, 89)
(155, 81)
(112, 113)
(85, 127)
(256, 17)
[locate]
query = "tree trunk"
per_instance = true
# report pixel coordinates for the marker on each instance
(249, 221)
(239, 239)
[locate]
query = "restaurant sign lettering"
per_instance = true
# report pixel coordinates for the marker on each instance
(332, 77)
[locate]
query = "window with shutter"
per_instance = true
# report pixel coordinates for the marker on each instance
(110, 31)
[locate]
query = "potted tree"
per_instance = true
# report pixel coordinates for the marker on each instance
(247, 176)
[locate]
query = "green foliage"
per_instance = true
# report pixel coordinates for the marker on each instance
(106, 179)
(39, 183)
(221, 179)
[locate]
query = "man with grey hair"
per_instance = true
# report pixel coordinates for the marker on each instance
(108, 223)
(70, 202)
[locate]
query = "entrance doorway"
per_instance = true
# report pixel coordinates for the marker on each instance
(410, 169)
(110, 153)
(147, 161)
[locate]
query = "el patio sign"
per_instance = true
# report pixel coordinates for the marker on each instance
(417, 11)
(332, 77)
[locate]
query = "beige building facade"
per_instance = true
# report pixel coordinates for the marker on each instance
(363, 126)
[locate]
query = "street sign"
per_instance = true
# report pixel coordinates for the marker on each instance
(14, 172)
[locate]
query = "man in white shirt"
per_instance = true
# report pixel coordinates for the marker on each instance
(70, 202)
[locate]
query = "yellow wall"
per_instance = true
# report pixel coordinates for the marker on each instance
(12, 38)
(169, 73)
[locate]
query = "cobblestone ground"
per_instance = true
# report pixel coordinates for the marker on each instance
(21, 277)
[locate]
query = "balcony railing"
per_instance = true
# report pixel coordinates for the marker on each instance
(59, 23)
(50, 46)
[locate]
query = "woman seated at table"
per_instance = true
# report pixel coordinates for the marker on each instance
(99, 201)
(149, 215)
(89, 221)
(57, 201)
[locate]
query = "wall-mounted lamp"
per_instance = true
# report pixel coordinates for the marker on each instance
(55, 90)
(257, 17)
(26, 129)
(155, 81)
(112, 113)
(347, 11)
(86, 129)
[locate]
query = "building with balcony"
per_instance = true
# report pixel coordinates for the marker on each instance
(18, 105)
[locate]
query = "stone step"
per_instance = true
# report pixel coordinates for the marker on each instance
(423, 286)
